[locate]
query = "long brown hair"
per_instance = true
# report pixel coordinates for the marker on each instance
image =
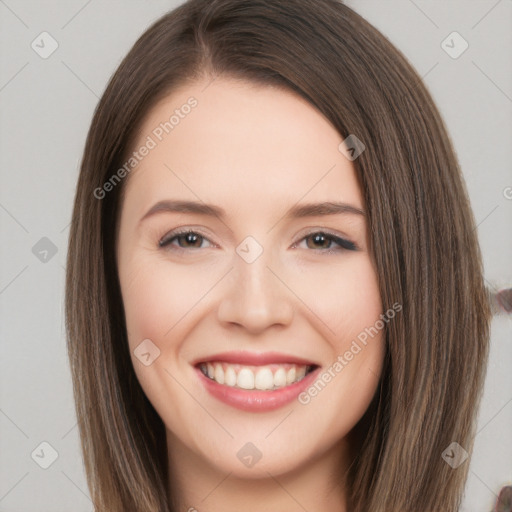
(422, 233)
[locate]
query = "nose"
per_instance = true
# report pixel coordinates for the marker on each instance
(255, 296)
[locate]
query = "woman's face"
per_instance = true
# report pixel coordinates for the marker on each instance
(265, 288)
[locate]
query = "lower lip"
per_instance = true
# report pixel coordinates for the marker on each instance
(255, 400)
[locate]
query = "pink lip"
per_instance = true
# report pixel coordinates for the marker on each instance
(255, 400)
(254, 358)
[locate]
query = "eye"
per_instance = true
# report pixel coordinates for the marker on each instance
(186, 239)
(323, 241)
(318, 240)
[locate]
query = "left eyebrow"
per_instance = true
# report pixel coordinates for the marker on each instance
(297, 211)
(325, 208)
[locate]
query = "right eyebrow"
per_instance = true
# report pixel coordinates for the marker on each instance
(185, 207)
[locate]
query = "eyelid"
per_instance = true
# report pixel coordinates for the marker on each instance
(164, 240)
(333, 235)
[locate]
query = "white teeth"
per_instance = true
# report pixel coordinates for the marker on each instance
(245, 379)
(219, 374)
(280, 378)
(263, 378)
(230, 377)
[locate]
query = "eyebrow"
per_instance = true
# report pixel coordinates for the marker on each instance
(297, 211)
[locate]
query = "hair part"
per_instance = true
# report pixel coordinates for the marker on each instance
(422, 233)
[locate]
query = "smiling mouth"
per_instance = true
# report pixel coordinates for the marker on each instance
(263, 378)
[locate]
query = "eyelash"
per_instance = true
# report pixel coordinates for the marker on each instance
(342, 243)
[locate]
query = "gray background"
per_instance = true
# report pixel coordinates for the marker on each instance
(47, 105)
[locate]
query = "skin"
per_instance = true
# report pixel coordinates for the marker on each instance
(254, 151)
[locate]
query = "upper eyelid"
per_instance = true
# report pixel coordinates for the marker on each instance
(179, 232)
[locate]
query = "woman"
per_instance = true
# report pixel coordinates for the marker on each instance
(274, 288)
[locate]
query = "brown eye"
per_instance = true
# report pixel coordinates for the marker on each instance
(190, 240)
(318, 241)
(324, 241)
(185, 240)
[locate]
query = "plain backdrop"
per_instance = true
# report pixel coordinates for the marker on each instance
(46, 108)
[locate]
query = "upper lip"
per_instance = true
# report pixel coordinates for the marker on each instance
(254, 358)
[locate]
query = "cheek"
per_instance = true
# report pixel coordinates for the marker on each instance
(360, 335)
(159, 300)
(345, 296)
(348, 302)
(158, 295)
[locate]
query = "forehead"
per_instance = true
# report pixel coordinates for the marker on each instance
(242, 145)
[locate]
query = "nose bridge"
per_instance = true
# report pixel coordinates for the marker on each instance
(257, 286)
(251, 260)
(255, 276)
(255, 297)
